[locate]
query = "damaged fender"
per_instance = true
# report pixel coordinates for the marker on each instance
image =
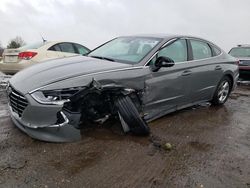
(115, 100)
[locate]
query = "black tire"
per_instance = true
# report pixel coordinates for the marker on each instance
(131, 116)
(217, 100)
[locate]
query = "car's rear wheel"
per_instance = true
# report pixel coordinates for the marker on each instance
(222, 92)
(130, 117)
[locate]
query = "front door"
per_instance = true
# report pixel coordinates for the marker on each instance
(168, 87)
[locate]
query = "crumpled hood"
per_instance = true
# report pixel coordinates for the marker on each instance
(59, 69)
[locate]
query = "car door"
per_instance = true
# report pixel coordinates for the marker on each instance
(168, 87)
(205, 73)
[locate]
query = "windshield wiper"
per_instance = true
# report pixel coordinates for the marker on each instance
(100, 57)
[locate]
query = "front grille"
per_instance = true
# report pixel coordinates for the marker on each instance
(17, 101)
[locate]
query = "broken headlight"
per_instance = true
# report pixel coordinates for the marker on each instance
(56, 97)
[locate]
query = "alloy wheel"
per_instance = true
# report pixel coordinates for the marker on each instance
(223, 91)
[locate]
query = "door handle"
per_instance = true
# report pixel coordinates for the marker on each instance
(186, 72)
(218, 67)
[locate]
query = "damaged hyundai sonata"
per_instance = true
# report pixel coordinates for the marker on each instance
(133, 78)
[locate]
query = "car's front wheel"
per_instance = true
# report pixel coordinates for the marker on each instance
(222, 92)
(130, 117)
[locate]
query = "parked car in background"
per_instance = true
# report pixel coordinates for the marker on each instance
(134, 78)
(242, 53)
(20, 58)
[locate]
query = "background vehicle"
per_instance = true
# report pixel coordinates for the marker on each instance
(136, 79)
(17, 59)
(242, 53)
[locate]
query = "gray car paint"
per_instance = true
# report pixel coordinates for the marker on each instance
(164, 91)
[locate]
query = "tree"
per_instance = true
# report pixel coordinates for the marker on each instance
(1, 50)
(16, 42)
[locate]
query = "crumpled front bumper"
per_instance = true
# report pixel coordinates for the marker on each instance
(62, 132)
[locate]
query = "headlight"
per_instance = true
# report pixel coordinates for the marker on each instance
(54, 97)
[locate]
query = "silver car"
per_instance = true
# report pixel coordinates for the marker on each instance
(135, 79)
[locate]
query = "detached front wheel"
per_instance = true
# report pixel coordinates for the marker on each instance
(222, 92)
(130, 117)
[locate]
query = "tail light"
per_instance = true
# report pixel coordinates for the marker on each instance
(237, 62)
(26, 55)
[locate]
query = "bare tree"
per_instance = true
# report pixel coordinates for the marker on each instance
(1, 50)
(16, 42)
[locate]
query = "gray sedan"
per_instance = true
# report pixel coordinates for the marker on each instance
(135, 79)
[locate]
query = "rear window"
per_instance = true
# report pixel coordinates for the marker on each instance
(240, 52)
(32, 46)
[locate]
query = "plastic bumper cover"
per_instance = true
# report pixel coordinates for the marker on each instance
(62, 132)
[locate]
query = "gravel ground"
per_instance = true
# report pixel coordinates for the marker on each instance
(208, 147)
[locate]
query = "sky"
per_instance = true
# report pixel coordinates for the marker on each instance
(92, 22)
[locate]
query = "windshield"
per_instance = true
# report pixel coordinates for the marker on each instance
(129, 50)
(240, 52)
(32, 46)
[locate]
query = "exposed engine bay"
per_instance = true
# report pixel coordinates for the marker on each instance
(96, 103)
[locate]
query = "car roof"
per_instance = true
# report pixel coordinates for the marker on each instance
(167, 37)
(170, 36)
(164, 36)
(62, 41)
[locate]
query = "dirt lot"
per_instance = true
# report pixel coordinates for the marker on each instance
(211, 148)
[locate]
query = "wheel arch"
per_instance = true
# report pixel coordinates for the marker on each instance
(230, 76)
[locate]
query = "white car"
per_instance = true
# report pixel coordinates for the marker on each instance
(20, 58)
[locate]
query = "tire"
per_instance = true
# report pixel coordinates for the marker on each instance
(130, 115)
(222, 91)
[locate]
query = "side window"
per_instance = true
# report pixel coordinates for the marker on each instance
(55, 48)
(176, 51)
(80, 49)
(67, 47)
(201, 50)
(216, 51)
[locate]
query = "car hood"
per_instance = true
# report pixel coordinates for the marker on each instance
(57, 70)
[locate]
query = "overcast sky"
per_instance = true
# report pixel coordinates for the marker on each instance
(92, 22)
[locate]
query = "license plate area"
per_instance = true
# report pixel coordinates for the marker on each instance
(10, 59)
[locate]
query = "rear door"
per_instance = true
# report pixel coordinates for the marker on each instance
(205, 71)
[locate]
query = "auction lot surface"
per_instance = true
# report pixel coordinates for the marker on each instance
(211, 148)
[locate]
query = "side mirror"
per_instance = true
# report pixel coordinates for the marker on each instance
(162, 62)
